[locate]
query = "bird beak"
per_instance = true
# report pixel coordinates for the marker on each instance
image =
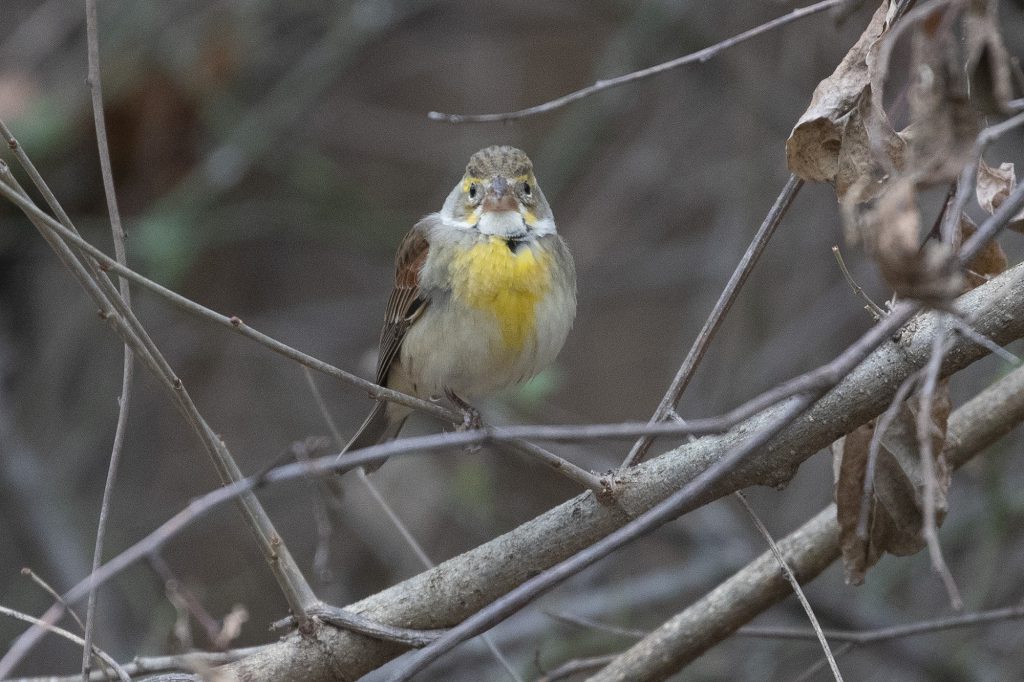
(499, 196)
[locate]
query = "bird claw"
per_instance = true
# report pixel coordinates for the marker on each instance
(471, 420)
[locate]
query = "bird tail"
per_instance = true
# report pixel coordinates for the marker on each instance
(383, 424)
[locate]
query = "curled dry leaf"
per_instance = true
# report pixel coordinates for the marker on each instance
(895, 513)
(993, 186)
(845, 136)
(813, 148)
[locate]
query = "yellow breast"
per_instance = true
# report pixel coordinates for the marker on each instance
(489, 276)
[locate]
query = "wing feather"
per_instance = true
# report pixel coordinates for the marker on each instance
(406, 302)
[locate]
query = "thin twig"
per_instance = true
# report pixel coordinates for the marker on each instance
(146, 665)
(860, 637)
(700, 345)
(698, 56)
(59, 599)
(576, 666)
(925, 430)
(113, 309)
(49, 627)
(96, 90)
(820, 664)
(791, 577)
(53, 593)
(963, 327)
(591, 624)
(876, 311)
(353, 621)
(173, 586)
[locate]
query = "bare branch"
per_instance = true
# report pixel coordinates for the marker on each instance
(96, 89)
(49, 627)
(876, 311)
(923, 627)
(113, 308)
(484, 573)
(699, 56)
(973, 427)
(145, 665)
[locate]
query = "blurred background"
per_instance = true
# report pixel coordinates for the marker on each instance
(269, 156)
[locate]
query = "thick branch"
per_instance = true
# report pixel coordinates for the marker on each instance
(809, 550)
(461, 586)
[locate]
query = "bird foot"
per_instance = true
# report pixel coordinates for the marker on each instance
(471, 419)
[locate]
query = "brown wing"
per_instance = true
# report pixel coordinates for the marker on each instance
(406, 303)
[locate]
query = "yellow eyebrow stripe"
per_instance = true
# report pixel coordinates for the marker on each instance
(470, 179)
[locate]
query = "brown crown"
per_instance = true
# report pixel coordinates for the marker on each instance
(499, 160)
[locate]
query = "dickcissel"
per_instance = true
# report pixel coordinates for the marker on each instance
(484, 297)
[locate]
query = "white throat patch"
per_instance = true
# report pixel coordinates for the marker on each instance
(502, 223)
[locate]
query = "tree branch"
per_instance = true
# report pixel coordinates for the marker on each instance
(809, 550)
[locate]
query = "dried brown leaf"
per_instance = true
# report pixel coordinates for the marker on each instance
(990, 262)
(895, 515)
(812, 149)
(890, 228)
(869, 153)
(993, 186)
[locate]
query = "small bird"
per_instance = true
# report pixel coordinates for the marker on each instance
(484, 297)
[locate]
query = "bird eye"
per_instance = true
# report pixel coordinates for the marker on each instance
(526, 188)
(472, 191)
